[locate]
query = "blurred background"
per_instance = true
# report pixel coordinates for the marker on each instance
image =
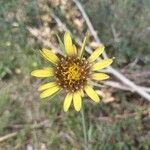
(121, 121)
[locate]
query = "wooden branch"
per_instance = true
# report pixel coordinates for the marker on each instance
(89, 24)
(8, 136)
(44, 123)
(118, 85)
(113, 71)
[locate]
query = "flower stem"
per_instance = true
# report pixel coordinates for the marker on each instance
(84, 128)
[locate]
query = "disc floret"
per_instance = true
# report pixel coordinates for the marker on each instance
(72, 73)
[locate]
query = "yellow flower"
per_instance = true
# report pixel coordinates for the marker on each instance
(72, 73)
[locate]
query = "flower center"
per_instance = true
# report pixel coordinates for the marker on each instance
(72, 73)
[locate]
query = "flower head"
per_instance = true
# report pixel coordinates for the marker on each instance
(72, 73)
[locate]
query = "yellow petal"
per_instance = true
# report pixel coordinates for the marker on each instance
(91, 93)
(82, 93)
(102, 64)
(77, 101)
(83, 47)
(67, 102)
(47, 86)
(46, 72)
(49, 92)
(69, 48)
(99, 76)
(49, 55)
(96, 54)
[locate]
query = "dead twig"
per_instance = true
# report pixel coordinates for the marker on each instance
(44, 123)
(122, 87)
(118, 85)
(8, 136)
(89, 24)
